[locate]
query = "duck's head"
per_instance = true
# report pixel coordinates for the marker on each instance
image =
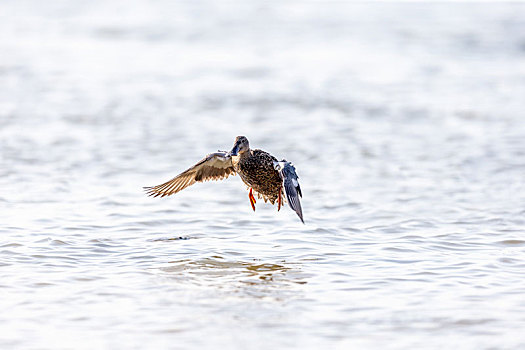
(240, 146)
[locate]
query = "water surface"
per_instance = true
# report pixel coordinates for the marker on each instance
(406, 126)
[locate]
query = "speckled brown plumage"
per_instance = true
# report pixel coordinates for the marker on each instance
(256, 170)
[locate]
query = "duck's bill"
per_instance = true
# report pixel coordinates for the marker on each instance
(235, 150)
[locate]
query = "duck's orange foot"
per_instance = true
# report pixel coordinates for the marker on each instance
(252, 199)
(279, 201)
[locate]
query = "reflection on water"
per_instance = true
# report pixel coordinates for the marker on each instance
(405, 124)
(215, 271)
(224, 268)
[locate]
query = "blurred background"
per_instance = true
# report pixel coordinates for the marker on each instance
(405, 122)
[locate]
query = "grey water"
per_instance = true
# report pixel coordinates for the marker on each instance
(405, 122)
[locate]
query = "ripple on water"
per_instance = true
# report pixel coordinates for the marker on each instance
(511, 242)
(170, 239)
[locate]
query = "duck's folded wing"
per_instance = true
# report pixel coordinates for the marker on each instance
(215, 166)
(292, 188)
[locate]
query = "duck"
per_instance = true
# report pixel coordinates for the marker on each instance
(262, 173)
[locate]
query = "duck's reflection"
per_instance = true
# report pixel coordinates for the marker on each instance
(226, 274)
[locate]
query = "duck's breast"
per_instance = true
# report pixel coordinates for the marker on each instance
(257, 171)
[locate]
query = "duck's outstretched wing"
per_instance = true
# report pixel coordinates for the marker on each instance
(291, 185)
(215, 166)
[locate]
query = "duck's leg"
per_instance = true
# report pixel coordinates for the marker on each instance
(279, 201)
(252, 199)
